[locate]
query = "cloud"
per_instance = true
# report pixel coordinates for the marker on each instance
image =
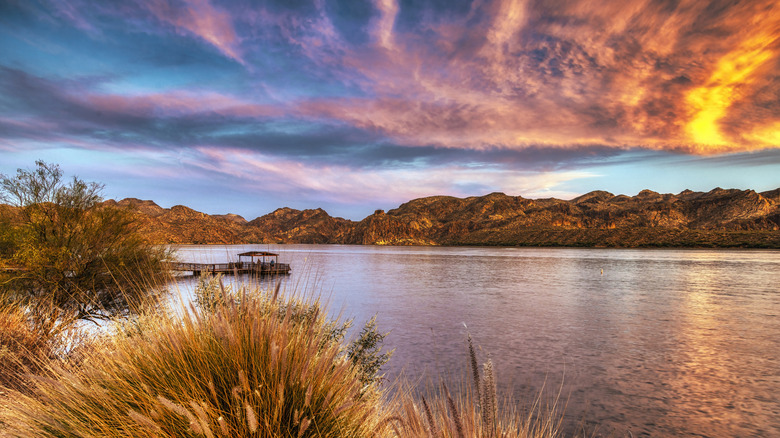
(76, 113)
(252, 172)
(658, 75)
(383, 26)
(507, 83)
(691, 76)
(200, 18)
(74, 109)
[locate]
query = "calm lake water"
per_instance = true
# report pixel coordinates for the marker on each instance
(662, 343)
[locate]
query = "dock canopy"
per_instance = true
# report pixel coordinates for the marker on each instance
(257, 254)
(262, 255)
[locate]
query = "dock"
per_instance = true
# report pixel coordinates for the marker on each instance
(253, 262)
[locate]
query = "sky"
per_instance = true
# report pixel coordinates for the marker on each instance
(243, 107)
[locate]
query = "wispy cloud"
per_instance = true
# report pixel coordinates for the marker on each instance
(382, 27)
(203, 19)
(265, 173)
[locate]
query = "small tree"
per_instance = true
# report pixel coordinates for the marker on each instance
(73, 256)
(366, 352)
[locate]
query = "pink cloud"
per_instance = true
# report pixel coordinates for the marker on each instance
(201, 18)
(72, 13)
(178, 103)
(255, 172)
(382, 28)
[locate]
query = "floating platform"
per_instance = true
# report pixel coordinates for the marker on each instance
(253, 262)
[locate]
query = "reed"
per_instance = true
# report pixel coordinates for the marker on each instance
(477, 412)
(440, 415)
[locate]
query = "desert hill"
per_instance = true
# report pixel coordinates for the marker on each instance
(721, 218)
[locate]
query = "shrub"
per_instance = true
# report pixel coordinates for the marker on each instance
(71, 252)
(365, 352)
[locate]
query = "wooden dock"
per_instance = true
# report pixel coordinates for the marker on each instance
(231, 268)
(253, 262)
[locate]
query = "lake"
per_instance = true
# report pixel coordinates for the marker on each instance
(651, 342)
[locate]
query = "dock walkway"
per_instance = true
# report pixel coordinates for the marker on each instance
(253, 262)
(231, 268)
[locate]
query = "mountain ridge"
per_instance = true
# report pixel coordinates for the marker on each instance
(718, 218)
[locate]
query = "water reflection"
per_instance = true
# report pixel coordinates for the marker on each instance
(662, 343)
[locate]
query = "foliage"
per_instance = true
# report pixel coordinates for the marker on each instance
(6, 234)
(71, 252)
(365, 352)
(235, 370)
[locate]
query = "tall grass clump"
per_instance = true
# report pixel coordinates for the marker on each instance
(21, 348)
(28, 345)
(474, 413)
(246, 364)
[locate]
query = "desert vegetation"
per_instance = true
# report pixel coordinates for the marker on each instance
(231, 362)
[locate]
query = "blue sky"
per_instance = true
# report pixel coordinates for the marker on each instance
(244, 107)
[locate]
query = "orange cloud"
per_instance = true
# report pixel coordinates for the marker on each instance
(733, 76)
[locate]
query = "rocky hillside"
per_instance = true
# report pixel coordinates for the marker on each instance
(183, 225)
(727, 218)
(718, 218)
(286, 225)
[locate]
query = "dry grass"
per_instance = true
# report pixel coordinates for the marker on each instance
(258, 365)
(27, 348)
(20, 347)
(27, 345)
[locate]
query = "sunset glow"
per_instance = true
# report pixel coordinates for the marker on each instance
(733, 76)
(459, 98)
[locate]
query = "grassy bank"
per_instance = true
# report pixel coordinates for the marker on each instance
(238, 363)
